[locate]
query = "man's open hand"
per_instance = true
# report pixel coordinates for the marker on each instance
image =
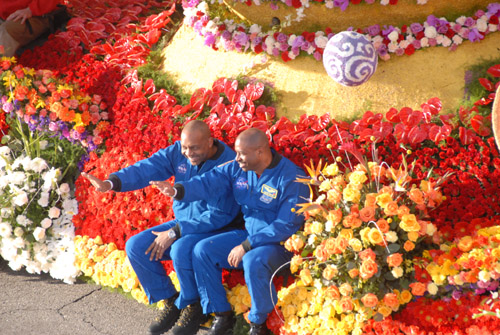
(164, 187)
(100, 185)
(161, 243)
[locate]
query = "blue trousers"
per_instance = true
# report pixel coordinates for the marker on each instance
(210, 257)
(157, 285)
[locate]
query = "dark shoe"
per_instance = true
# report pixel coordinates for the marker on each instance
(163, 322)
(256, 329)
(190, 320)
(222, 324)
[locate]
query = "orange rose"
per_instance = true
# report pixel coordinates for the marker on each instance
(367, 214)
(332, 292)
(402, 210)
(341, 245)
(416, 196)
(353, 273)
(413, 236)
(321, 253)
(409, 246)
(394, 260)
(383, 225)
(369, 300)
(405, 297)
(330, 245)
(465, 244)
(391, 300)
(391, 208)
(345, 289)
(329, 272)
(294, 243)
(367, 254)
(295, 263)
(383, 199)
(385, 311)
(351, 221)
(371, 200)
(305, 276)
(335, 216)
(418, 289)
(346, 304)
(368, 269)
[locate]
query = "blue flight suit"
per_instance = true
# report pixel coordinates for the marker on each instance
(193, 221)
(266, 203)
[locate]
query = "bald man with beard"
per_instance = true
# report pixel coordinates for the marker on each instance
(264, 184)
(195, 154)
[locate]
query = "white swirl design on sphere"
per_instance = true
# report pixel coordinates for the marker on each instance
(350, 58)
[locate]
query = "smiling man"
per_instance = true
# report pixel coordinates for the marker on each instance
(264, 184)
(196, 153)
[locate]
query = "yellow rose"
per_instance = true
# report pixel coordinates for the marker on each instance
(316, 227)
(295, 263)
(346, 233)
(405, 297)
(355, 244)
(384, 310)
(331, 170)
(409, 223)
(383, 199)
(364, 234)
(351, 194)
(289, 310)
(413, 236)
(357, 177)
(375, 237)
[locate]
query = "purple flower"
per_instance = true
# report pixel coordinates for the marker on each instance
(257, 40)
(198, 26)
(342, 4)
(209, 39)
(305, 45)
(317, 55)
(226, 35)
(282, 38)
(373, 30)
(493, 8)
(432, 20)
(283, 46)
(382, 50)
(432, 42)
(274, 6)
(387, 30)
(296, 51)
(416, 28)
(417, 44)
(276, 52)
(241, 38)
(288, 2)
(297, 43)
(442, 29)
(469, 22)
(474, 35)
(456, 294)
(190, 3)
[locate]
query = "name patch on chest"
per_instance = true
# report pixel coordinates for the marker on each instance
(182, 168)
(269, 192)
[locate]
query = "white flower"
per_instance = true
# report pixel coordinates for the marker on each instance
(17, 177)
(432, 288)
(461, 20)
(321, 41)
(4, 151)
(329, 4)
(291, 38)
(5, 212)
(64, 188)
(393, 36)
(46, 223)
(44, 199)
(492, 27)
(397, 272)
(18, 242)
(39, 233)
(404, 44)
(384, 2)
(22, 220)
(70, 206)
(430, 229)
(421, 2)
(18, 231)
(430, 32)
(482, 24)
(424, 42)
(391, 236)
(38, 165)
(484, 276)
(43, 144)
(446, 41)
(255, 29)
(21, 199)
(5, 229)
(54, 212)
(392, 47)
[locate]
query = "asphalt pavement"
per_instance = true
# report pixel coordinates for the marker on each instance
(39, 304)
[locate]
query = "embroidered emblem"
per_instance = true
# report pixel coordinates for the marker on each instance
(241, 183)
(266, 199)
(269, 191)
(182, 168)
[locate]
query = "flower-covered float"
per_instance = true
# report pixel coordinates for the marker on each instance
(402, 227)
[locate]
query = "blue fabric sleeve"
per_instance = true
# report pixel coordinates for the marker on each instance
(158, 167)
(212, 186)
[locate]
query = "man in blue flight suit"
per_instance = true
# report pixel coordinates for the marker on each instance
(264, 184)
(196, 153)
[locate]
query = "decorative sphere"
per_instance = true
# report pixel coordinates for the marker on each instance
(350, 58)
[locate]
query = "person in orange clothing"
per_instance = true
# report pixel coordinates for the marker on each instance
(22, 21)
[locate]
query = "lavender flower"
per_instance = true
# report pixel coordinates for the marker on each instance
(474, 35)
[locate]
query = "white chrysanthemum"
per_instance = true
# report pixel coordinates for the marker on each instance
(39, 164)
(39, 233)
(50, 178)
(5, 151)
(46, 223)
(5, 229)
(44, 199)
(54, 212)
(21, 199)
(22, 220)
(70, 206)
(430, 32)
(17, 177)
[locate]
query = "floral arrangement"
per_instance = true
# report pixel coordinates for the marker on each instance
(361, 233)
(229, 36)
(36, 231)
